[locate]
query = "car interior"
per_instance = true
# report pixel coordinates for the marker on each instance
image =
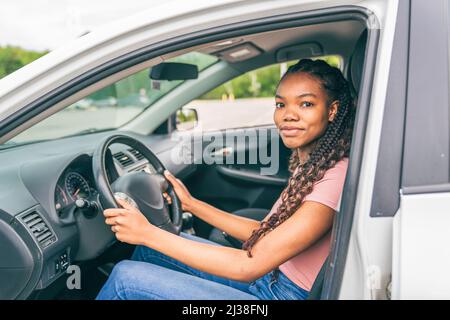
(49, 218)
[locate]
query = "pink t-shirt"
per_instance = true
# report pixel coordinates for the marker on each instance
(304, 267)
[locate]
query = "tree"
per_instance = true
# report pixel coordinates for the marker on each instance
(267, 79)
(14, 58)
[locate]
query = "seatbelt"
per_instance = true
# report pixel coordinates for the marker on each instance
(234, 242)
(316, 289)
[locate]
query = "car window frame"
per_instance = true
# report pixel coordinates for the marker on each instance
(426, 153)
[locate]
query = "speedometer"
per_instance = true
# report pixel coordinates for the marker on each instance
(76, 186)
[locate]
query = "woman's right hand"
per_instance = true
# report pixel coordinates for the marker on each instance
(180, 189)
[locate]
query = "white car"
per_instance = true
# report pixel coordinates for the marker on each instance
(390, 236)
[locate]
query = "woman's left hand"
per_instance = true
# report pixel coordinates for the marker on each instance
(128, 223)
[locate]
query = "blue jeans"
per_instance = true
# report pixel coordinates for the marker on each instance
(151, 275)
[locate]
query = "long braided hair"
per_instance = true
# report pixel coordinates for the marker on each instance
(331, 147)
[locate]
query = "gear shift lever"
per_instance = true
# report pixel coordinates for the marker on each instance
(188, 223)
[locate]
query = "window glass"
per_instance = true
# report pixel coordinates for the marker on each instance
(110, 107)
(246, 101)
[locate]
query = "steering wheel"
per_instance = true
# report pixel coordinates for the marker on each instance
(142, 188)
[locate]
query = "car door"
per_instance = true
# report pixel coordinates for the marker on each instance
(231, 183)
(397, 239)
(421, 257)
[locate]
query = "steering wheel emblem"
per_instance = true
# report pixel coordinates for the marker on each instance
(123, 196)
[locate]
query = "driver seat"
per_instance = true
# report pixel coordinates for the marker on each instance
(224, 239)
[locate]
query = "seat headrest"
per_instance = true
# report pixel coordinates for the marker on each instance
(356, 63)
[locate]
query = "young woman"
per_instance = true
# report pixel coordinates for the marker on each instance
(281, 255)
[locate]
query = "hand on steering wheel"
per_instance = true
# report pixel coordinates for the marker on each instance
(146, 190)
(128, 223)
(180, 189)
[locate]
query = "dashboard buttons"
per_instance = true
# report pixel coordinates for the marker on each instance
(61, 263)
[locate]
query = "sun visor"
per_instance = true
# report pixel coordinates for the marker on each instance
(239, 53)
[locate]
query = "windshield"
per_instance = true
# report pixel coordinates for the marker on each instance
(110, 107)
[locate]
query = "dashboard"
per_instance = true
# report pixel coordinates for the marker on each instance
(42, 228)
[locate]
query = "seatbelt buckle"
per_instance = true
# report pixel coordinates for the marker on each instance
(234, 242)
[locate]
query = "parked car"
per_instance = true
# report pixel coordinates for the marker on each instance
(390, 235)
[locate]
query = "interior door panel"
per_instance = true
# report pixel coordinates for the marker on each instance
(251, 176)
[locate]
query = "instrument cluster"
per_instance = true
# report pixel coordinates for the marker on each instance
(76, 182)
(73, 186)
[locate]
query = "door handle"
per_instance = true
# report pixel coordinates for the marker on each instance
(222, 152)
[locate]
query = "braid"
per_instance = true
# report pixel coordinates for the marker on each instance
(330, 148)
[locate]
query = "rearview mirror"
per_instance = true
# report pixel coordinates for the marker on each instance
(186, 119)
(174, 71)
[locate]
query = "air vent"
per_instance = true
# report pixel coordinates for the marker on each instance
(124, 159)
(39, 229)
(137, 154)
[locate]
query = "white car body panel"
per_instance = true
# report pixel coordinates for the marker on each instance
(421, 259)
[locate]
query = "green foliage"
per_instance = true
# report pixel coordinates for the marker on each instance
(334, 61)
(140, 84)
(258, 83)
(13, 58)
(186, 116)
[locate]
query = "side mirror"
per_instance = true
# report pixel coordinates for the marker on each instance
(174, 71)
(186, 119)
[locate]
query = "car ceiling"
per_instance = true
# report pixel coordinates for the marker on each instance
(333, 37)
